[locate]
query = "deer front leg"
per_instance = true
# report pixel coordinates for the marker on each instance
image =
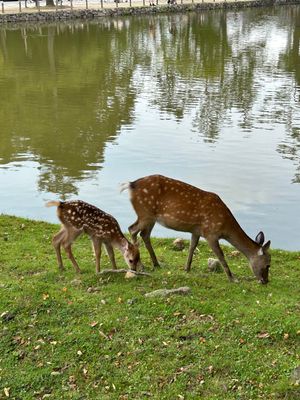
(111, 254)
(193, 245)
(97, 244)
(214, 245)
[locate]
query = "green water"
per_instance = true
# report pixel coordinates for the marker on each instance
(210, 98)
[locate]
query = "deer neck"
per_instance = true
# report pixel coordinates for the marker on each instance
(121, 243)
(242, 242)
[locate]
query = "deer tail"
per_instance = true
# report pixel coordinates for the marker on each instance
(124, 186)
(53, 203)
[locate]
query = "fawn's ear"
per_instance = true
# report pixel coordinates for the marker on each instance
(260, 238)
(266, 246)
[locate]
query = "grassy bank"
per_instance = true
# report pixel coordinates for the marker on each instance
(64, 336)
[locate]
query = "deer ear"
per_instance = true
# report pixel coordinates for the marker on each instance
(266, 246)
(260, 238)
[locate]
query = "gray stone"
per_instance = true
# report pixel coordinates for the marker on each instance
(168, 292)
(295, 375)
(178, 244)
(214, 265)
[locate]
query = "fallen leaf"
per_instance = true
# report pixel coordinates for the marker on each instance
(6, 391)
(94, 323)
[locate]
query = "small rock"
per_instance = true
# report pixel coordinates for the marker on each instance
(178, 244)
(76, 282)
(130, 275)
(131, 301)
(7, 316)
(168, 292)
(295, 375)
(93, 289)
(214, 265)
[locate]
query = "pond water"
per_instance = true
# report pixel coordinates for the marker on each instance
(211, 98)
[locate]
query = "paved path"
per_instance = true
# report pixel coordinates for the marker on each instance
(15, 7)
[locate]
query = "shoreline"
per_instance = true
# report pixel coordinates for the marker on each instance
(111, 10)
(23, 220)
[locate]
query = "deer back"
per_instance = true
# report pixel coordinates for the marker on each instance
(90, 219)
(180, 206)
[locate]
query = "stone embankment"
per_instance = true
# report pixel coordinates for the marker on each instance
(46, 14)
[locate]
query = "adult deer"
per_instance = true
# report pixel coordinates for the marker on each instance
(182, 207)
(78, 217)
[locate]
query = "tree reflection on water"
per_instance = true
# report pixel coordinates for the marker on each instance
(71, 87)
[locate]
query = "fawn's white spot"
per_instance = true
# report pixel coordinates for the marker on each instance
(145, 190)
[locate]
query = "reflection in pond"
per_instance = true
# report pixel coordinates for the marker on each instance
(211, 98)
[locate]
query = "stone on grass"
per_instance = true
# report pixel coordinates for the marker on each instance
(295, 376)
(214, 265)
(130, 275)
(178, 244)
(168, 292)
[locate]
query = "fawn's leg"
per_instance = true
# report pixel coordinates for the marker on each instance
(193, 245)
(57, 241)
(111, 254)
(97, 244)
(71, 235)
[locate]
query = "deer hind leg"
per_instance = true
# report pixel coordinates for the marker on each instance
(193, 245)
(214, 245)
(71, 235)
(111, 254)
(97, 244)
(134, 230)
(145, 229)
(145, 234)
(57, 241)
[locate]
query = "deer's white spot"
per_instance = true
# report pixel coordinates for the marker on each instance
(145, 190)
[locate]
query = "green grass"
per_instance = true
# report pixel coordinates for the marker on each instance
(64, 336)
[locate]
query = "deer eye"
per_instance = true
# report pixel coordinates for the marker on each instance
(131, 261)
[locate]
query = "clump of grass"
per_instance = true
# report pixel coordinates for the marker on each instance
(65, 336)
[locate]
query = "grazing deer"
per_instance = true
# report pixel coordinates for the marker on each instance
(182, 207)
(78, 217)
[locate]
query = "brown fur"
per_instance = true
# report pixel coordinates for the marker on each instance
(78, 217)
(183, 207)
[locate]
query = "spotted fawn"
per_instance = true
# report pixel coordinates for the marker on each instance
(78, 217)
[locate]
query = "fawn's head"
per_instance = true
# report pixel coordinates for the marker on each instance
(260, 262)
(132, 256)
